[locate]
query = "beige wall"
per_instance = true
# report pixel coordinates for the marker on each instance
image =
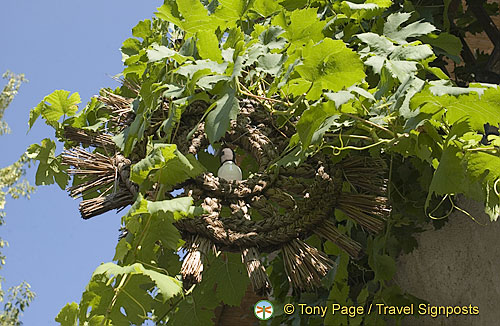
(456, 265)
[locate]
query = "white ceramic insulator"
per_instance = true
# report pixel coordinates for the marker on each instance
(230, 171)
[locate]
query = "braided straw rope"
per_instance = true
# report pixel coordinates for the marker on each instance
(294, 203)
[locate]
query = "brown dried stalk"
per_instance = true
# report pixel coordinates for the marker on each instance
(305, 265)
(256, 271)
(192, 267)
(329, 232)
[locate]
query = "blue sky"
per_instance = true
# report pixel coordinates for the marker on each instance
(58, 45)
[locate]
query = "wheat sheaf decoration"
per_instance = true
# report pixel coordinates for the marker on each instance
(273, 209)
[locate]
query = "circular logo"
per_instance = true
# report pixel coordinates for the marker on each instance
(263, 310)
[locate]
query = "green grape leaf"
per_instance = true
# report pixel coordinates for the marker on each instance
(125, 311)
(189, 15)
(411, 52)
(394, 31)
(166, 165)
(196, 309)
(339, 292)
(265, 7)
(160, 52)
(208, 46)
(478, 110)
(232, 10)
(182, 204)
(35, 113)
(359, 11)
(444, 87)
(152, 223)
(271, 38)
(122, 247)
(189, 70)
(401, 70)
(378, 44)
(445, 41)
(312, 119)
(381, 3)
(131, 46)
(95, 300)
(68, 315)
(339, 98)
(60, 103)
(485, 168)
(384, 267)
(360, 6)
(142, 29)
(270, 63)
(167, 285)
(228, 274)
(50, 167)
(217, 121)
(449, 176)
(330, 65)
(128, 138)
(304, 27)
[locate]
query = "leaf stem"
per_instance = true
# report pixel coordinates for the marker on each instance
(349, 136)
(246, 92)
(123, 283)
(370, 123)
(176, 303)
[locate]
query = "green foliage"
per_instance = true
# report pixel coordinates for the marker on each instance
(17, 298)
(50, 168)
(16, 302)
(166, 165)
(342, 79)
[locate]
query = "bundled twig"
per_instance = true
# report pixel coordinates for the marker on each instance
(102, 204)
(89, 138)
(121, 107)
(305, 265)
(86, 163)
(99, 167)
(250, 256)
(192, 267)
(106, 174)
(256, 271)
(328, 231)
(363, 208)
(366, 174)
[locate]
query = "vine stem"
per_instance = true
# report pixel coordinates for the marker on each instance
(370, 123)
(136, 302)
(123, 283)
(389, 225)
(349, 136)
(246, 92)
(176, 303)
(337, 150)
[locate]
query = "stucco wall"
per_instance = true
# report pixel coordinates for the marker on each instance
(456, 265)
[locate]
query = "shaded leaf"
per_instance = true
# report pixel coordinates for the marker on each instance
(166, 165)
(226, 109)
(330, 65)
(394, 31)
(229, 276)
(167, 285)
(68, 315)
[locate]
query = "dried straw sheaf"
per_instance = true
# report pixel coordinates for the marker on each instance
(305, 265)
(106, 176)
(294, 203)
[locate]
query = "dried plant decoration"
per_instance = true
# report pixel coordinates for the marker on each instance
(294, 202)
